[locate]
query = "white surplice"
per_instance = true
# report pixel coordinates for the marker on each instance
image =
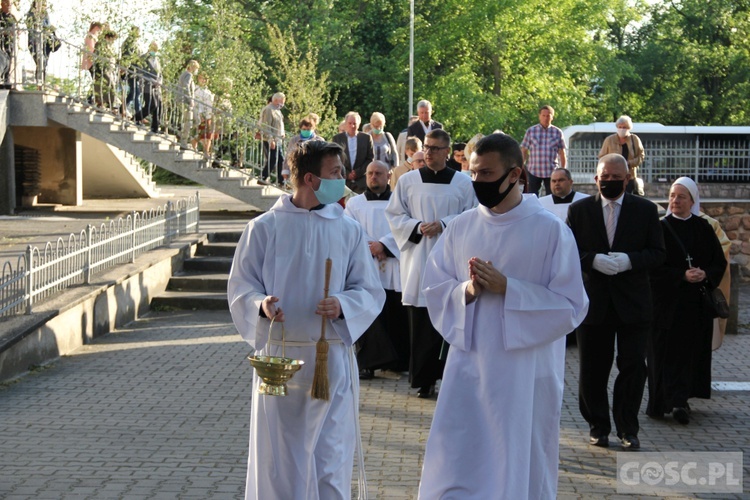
(412, 203)
(302, 448)
(496, 425)
(371, 215)
(560, 209)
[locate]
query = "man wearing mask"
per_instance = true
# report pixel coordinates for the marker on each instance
(504, 301)
(424, 202)
(620, 242)
(279, 273)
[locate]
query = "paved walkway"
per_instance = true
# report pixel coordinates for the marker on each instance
(160, 410)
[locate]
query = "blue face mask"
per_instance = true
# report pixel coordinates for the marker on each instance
(330, 190)
(305, 134)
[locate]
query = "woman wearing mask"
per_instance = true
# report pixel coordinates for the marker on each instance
(306, 133)
(384, 146)
(628, 145)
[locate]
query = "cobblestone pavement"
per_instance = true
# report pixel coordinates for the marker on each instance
(160, 409)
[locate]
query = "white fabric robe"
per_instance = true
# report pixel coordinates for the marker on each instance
(371, 216)
(412, 203)
(302, 448)
(496, 425)
(560, 209)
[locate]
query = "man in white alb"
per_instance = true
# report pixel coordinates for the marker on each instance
(423, 203)
(562, 195)
(503, 286)
(300, 447)
(385, 345)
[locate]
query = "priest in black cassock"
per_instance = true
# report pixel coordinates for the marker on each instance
(679, 349)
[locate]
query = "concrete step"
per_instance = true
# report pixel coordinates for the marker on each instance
(225, 236)
(209, 264)
(194, 282)
(217, 249)
(190, 301)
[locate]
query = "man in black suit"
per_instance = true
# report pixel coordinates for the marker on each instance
(425, 124)
(359, 151)
(620, 241)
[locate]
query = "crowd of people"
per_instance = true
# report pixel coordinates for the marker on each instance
(483, 279)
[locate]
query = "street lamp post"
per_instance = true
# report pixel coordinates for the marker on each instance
(411, 61)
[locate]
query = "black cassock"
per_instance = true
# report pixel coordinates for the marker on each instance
(679, 348)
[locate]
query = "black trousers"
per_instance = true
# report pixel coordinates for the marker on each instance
(596, 347)
(425, 365)
(534, 183)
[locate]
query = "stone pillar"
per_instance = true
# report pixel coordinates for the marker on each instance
(7, 174)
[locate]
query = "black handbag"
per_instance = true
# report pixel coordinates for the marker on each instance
(713, 299)
(714, 302)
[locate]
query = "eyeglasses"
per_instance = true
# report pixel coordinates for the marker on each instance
(434, 149)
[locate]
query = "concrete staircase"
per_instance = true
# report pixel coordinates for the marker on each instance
(202, 284)
(159, 149)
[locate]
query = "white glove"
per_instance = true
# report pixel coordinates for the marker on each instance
(622, 260)
(605, 264)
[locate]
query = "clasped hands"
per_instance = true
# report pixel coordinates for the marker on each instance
(329, 307)
(612, 263)
(431, 229)
(483, 276)
(695, 275)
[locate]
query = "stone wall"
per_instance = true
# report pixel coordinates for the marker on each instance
(734, 217)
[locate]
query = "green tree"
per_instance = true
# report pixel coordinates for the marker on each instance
(692, 63)
(306, 89)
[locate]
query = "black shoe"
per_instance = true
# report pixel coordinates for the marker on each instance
(600, 441)
(630, 442)
(426, 391)
(366, 374)
(681, 415)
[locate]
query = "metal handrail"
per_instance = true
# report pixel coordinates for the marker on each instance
(226, 140)
(39, 273)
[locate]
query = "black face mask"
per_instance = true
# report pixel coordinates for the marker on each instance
(611, 189)
(488, 193)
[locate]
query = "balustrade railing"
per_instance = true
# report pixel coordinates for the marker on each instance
(703, 159)
(138, 96)
(40, 272)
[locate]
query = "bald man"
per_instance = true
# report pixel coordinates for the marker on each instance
(619, 241)
(385, 345)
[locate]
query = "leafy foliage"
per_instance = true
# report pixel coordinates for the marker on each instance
(484, 64)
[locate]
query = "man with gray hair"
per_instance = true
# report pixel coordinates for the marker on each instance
(272, 132)
(359, 151)
(425, 124)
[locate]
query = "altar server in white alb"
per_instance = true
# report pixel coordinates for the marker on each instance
(385, 344)
(563, 194)
(300, 447)
(424, 202)
(503, 286)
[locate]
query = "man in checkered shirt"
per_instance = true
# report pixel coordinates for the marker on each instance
(542, 146)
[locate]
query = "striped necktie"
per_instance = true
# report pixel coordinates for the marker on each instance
(611, 222)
